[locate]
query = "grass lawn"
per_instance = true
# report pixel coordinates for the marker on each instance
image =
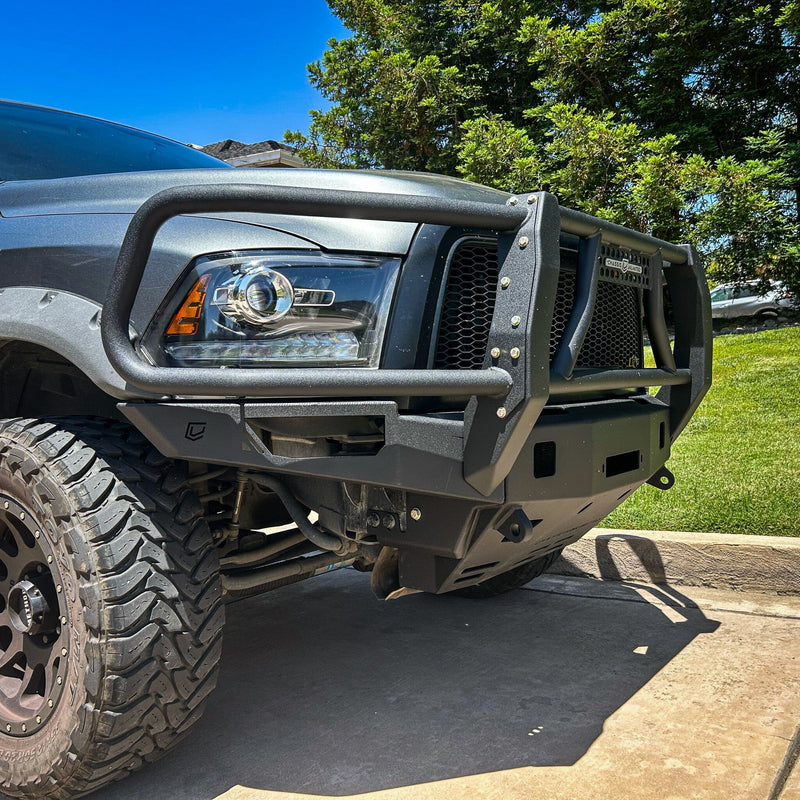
(737, 464)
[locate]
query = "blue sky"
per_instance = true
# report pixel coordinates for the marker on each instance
(194, 71)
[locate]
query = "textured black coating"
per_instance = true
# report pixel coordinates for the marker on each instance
(212, 382)
(691, 310)
(530, 259)
(583, 309)
(584, 225)
(606, 380)
(654, 317)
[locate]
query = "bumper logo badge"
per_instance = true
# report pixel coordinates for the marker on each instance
(623, 266)
(195, 431)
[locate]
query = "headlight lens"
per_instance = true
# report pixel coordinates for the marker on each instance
(281, 309)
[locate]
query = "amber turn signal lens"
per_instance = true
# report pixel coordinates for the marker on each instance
(187, 318)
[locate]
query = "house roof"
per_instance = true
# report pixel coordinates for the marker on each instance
(230, 148)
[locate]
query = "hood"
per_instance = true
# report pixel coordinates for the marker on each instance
(125, 193)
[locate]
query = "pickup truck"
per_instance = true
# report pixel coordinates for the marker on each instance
(217, 382)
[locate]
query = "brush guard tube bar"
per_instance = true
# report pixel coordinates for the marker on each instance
(509, 393)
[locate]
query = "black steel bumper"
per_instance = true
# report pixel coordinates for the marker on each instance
(469, 458)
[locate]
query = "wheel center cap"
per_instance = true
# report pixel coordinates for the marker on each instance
(28, 608)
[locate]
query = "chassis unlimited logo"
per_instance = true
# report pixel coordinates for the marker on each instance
(623, 265)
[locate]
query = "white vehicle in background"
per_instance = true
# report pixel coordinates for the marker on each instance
(731, 301)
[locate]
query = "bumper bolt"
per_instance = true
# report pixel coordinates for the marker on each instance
(373, 520)
(495, 352)
(416, 514)
(514, 352)
(531, 199)
(388, 521)
(523, 241)
(501, 412)
(515, 321)
(505, 282)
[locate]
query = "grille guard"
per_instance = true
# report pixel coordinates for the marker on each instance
(507, 395)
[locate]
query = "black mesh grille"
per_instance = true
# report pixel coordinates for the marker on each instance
(614, 338)
(467, 306)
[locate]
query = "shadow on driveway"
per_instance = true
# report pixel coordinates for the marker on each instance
(324, 690)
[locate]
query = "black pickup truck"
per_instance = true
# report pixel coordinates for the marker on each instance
(216, 382)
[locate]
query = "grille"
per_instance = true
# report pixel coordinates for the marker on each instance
(614, 338)
(467, 307)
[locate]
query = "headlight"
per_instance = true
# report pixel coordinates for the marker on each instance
(282, 309)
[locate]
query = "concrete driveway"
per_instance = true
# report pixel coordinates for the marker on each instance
(569, 688)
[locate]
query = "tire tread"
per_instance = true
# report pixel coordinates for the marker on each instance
(149, 587)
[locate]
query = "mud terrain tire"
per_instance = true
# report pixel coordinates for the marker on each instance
(512, 579)
(126, 582)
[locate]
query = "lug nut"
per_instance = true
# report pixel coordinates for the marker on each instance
(58, 588)
(50, 703)
(505, 282)
(515, 321)
(514, 352)
(8, 727)
(501, 412)
(24, 727)
(49, 559)
(22, 515)
(495, 352)
(5, 505)
(37, 534)
(63, 620)
(38, 720)
(416, 514)
(63, 651)
(523, 241)
(59, 680)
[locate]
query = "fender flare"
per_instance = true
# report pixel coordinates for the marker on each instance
(67, 324)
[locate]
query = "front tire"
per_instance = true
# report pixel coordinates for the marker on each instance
(513, 579)
(110, 605)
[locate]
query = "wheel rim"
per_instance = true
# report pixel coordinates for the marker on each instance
(33, 623)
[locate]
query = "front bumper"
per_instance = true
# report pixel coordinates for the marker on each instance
(510, 392)
(576, 465)
(538, 438)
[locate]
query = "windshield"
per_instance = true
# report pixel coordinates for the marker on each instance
(39, 143)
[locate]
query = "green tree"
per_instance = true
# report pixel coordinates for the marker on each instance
(412, 72)
(675, 116)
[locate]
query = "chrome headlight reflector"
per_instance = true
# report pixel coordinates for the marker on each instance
(278, 309)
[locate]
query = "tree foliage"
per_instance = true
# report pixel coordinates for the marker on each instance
(678, 117)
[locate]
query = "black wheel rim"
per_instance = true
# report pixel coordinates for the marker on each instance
(34, 643)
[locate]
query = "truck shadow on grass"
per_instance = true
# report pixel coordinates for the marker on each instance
(326, 691)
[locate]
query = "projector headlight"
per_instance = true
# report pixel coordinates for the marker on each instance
(278, 308)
